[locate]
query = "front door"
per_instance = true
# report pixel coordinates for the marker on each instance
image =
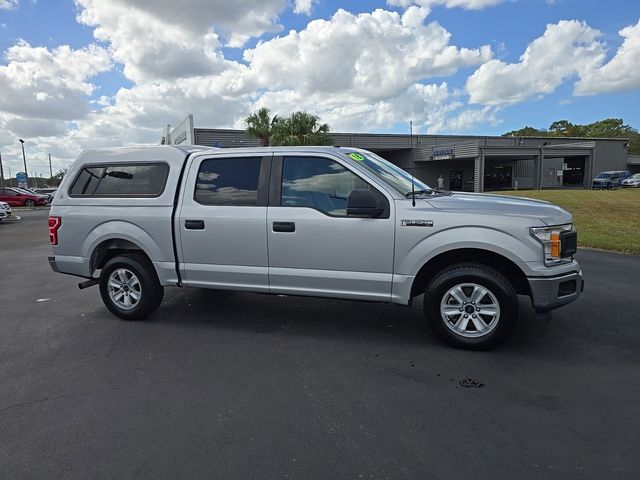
(222, 223)
(314, 247)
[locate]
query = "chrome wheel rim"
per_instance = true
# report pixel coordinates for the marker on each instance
(124, 288)
(470, 310)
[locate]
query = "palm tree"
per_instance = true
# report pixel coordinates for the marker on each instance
(259, 125)
(301, 128)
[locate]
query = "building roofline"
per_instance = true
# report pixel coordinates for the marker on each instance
(368, 134)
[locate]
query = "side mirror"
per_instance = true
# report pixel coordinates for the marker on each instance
(363, 203)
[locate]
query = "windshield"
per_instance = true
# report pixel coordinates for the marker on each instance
(635, 176)
(604, 175)
(388, 172)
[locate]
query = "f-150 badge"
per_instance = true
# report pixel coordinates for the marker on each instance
(417, 223)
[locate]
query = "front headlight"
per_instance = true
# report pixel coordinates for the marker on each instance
(550, 238)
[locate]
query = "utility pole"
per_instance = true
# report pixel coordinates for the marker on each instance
(24, 159)
(1, 172)
(50, 170)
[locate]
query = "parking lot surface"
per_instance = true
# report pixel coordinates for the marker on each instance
(235, 385)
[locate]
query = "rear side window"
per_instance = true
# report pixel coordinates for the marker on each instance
(87, 181)
(126, 180)
(228, 181)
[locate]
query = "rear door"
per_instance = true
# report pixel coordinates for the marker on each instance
(314, 247)
(221, 223)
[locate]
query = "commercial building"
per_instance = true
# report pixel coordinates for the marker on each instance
(466, 163)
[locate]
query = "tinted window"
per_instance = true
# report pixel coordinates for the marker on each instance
(146, 180)
(87, 181)
(9, 193)
(318, 183)
(228, 181)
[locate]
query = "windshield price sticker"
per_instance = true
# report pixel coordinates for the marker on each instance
(356, 156)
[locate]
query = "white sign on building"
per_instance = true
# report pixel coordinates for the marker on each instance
(182, 134)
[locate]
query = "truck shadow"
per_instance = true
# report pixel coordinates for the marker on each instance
(310, 316)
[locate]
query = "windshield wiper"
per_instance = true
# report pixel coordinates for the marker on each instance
(428, 191)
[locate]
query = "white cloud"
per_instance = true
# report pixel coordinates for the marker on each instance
(434, 108)
(565, 49)
(150, 47)
(42, 83)
(8, 4)
(180, 35)
(620, 73)
(43, 91)
(369, 56)
(303, 6)
(466, 4)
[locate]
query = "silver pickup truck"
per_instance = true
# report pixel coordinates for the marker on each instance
(316, 221)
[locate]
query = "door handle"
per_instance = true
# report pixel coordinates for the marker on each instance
(194, 224)
(289, 227)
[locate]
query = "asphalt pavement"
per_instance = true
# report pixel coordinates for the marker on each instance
(246, 386)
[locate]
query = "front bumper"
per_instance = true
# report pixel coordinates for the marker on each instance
(548, 293)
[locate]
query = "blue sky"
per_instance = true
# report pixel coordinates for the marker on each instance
(478, 92)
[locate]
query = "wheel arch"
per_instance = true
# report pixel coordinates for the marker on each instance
(110, 248)
(489, 258)
(113, 238)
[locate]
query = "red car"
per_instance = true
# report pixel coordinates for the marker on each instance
(16, 198)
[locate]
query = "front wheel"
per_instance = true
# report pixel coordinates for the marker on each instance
(130, 288)
(471, 306)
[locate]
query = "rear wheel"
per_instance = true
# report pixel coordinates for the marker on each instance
(471, 306)
(130, 288)
(29, 203)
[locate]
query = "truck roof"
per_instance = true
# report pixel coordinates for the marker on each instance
(175, 154)
(171, 154)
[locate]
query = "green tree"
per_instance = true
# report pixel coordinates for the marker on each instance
(564, 128)
(260, 125)
(301, 128)
(607, 128)
(59, 175)
(610, 127)
(526, 132)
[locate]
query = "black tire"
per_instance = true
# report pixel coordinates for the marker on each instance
(150, 291)
(461, 275)
(29, 203)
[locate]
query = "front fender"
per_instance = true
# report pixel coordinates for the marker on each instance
(481, 238)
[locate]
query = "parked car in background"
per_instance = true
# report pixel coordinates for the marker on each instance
(611, 179)
(3, 212)
(47, 191)
(17, 198)
(632, 181)
(33, 192)
(6, 206)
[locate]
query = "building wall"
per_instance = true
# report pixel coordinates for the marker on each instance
(520, 152)
(610, 155)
